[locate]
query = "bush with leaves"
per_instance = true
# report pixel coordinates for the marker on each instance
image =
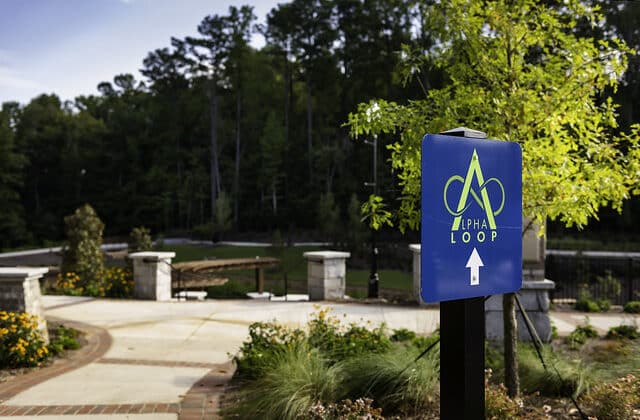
(140, 240)
(111, 282)
(267, 341)
(21, 343)
(614, 401)
(339, 342)
(62, 339)
(498, 405)
(82, 254)
(629, 332)
(632, 307)
(586, 303)
(580, 335)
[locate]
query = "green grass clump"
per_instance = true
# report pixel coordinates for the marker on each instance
(632, 307)
(574, 377)
(394, 382)
(580, 335)
(629, 332)
(299, 378)
(62, 339)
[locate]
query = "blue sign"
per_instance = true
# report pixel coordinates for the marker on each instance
(471, 218)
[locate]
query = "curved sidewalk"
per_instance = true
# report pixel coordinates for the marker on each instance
(161, 360)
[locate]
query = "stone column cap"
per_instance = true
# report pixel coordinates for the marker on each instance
(326, 255)
(545, 284)
(7, 273)
(415, 247)
(152, 255)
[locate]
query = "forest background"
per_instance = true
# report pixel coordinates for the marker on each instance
(222, 138)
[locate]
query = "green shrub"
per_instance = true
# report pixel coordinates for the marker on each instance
(615, 400)
(587, 306)
(498, 405)
(580, 335)
(82, 254)
(632, 307)
(300, 377)
(21, 343)
(267, 342)
(140, 240)
(62, 339)
(623, 331)
(573, 379)
(111, 282)
(395, 388)
(345, 410)
(609, 286)
(402, 334)
(604, 305)
(339, 342)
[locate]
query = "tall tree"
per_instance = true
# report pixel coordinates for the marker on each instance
(519, 72)
(240, 28)
(209, 55)
(12, 224)
(312, 40)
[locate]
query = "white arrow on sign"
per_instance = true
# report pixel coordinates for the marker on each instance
(474, 263)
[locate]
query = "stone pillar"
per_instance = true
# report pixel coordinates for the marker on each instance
(152, 275)
(326, 274)
(415, 249)
(20, 292)
(534, 297)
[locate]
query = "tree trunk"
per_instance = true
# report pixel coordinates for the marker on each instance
(274, 198)
(214, 167)
(511, 379)
(287, 97)
(236, 178)
(309, 127)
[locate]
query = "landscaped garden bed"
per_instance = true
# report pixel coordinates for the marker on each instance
(333, 370)
(22, 348)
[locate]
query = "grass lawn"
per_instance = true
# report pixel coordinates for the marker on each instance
(293, 263)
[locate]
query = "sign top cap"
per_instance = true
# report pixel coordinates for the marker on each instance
(465, 132)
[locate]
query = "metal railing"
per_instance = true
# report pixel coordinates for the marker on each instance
(614, 276)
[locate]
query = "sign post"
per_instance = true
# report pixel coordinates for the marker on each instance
(471, 248)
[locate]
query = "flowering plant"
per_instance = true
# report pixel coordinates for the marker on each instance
(21, 343)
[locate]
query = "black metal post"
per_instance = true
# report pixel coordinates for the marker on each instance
(373, 277)
(629, 279)
(462, 333)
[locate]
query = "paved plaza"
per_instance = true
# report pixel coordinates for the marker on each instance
(171, 360)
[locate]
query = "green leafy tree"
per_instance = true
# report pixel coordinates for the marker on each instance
(519, 71)
(272, 148)
(12, 225)
(82, 254)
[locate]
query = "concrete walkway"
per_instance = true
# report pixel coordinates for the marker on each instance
(171, 360)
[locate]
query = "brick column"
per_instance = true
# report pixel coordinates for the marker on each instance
(152, 275)
(20, 292)
(326, 274)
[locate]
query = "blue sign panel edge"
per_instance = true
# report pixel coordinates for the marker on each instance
(471, 217)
